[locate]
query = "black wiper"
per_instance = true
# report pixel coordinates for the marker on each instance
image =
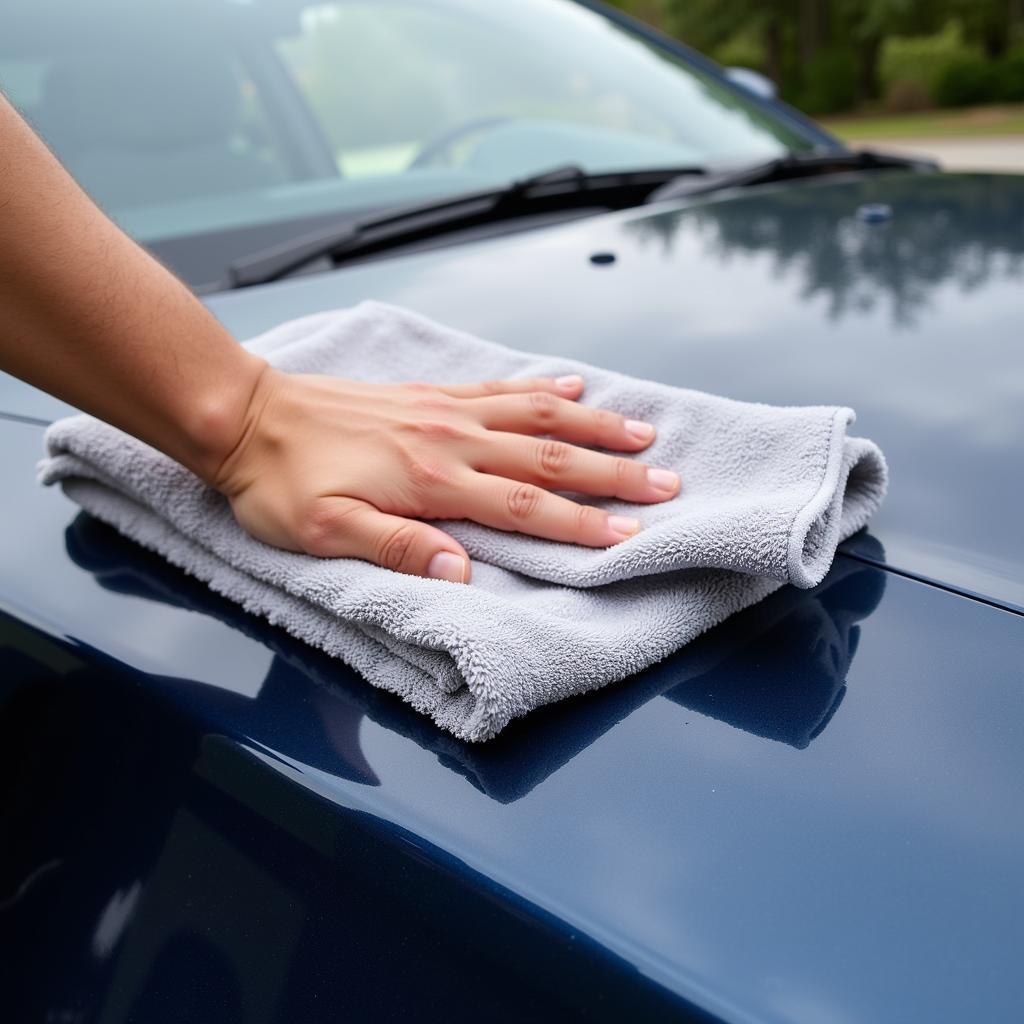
(787, 168)
(562, 188)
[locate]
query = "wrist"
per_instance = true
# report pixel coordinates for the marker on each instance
(220, 418)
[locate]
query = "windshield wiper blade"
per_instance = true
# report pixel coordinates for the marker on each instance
(787, 168)
(561, 188)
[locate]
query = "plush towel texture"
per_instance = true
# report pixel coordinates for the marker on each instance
(768, 493)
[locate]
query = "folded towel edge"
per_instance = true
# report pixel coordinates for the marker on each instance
(804, 572)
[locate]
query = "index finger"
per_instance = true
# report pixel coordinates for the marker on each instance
(570, 386)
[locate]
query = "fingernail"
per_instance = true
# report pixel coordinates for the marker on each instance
(663, 480)
(640, 430)
(570, 382)
(446, 566)
(623, 526)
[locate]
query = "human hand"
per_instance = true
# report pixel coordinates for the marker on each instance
(335, 467)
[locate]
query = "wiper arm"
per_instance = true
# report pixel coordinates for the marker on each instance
(787, 168)
(561, 188)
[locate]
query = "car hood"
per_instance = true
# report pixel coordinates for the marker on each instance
(786, 294)
(809, 814)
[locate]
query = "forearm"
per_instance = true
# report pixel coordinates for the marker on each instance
(91, 318)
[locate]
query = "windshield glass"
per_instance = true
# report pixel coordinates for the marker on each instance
(213, 127)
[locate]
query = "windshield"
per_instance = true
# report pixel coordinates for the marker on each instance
(208, 128)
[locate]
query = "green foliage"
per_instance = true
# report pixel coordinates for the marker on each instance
(946, 70)
(829, 83)
(709, 25)
(742, 50)
(828, 55)
(966, 81)
(923, 59)
(1011, 77)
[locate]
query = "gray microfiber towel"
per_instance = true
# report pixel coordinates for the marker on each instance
(767, 494)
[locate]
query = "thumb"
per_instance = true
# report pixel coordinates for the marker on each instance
(350, 528)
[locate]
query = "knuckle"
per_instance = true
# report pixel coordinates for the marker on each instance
(544, 406)
(553, 458)
(425, 474)
(321, 522)
(587, 518)
(437, 430)
(624, 472)
(492, 387)
(522, 501)
(435, 401)
(607, 422)
(396, 547)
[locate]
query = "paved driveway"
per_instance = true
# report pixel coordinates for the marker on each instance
(973, 153)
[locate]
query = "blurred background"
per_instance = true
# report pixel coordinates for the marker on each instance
(943, 78)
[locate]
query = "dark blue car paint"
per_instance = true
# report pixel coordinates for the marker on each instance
(811, 814)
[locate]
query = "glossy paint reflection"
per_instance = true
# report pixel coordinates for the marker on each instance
(696, 833)
(961, 231)
(154, 871)
(158, 807)
(801, 643)
(135, 876)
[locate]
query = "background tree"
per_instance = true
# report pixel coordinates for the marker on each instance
(828, 55)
